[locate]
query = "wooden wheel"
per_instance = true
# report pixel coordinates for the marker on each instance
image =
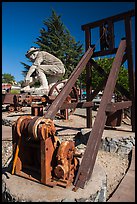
(71, 98)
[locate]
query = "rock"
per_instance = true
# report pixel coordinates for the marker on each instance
(18, 189)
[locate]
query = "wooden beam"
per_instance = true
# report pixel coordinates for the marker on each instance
(131, 73)
(88, 80)
(101, 71)
(105, 52)
(114, 18)
(112, 107)
(76, 105)
(59, 100)
(88, 161)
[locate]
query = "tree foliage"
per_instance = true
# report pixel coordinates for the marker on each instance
(26, 67)
(8, 78)
(56, 39)
(106, 64)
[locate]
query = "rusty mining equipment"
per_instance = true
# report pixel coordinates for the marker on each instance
(37, 152)
(15, 102)
(39, 155)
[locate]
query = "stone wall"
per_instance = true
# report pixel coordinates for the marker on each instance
(122, 145)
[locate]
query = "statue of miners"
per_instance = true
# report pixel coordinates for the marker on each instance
(46, 68)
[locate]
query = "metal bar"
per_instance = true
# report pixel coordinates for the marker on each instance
(57, 103)
(112, 107)
(112, 18)
(88, 161)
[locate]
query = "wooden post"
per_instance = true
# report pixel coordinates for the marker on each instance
(88, 79)
(130, 69)
(88, 161)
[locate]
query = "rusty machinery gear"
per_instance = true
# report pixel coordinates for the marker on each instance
(39, 155)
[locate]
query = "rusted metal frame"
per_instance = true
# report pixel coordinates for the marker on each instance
(8, 98)
(88, 80)
(130, 69)
(58, 102)
(114, 18)
(52, 88)
(37, 110)
(45, 166)
(88, 161)
(112, 107)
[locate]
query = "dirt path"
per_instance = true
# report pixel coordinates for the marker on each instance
(115, 167)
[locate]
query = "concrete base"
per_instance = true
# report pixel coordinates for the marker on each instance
(19, 189)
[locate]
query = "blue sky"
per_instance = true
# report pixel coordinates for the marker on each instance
(22, 21)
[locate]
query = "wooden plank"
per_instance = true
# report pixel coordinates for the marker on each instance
(126, 190)
(112, 107)
(58, 102)
(88, 161)
(114, 18)
(105, 52)
(101, 71)
(77, 105)
(131, 72)
(88, 80)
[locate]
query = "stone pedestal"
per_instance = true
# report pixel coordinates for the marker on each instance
(18, 189)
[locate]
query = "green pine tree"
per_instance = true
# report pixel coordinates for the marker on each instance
(24, 72)
(56, 39)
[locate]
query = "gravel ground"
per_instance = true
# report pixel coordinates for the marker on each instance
(6, 152)
(115, 168)
(114, 165)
